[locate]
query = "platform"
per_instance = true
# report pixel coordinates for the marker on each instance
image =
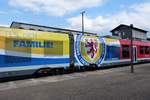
(107, 84)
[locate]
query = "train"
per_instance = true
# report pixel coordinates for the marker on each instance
(26, 52)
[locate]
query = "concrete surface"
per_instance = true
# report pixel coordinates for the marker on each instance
(108, 84)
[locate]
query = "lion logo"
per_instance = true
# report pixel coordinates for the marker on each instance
(91, 46)
(89, 49)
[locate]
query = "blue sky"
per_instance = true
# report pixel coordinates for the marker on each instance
(101, 15)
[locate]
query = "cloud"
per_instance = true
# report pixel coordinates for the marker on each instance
(54, 7)
(3, 13)
(137, 15)
(4, 25)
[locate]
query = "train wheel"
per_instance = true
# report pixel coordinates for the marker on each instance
(61, 71)
(77, 69)
(93, 67)
(43, 72)
(82, 68)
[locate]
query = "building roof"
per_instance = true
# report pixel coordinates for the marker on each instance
(44, 28)
(122, 25)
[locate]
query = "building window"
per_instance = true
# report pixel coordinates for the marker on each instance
(125, 51)
(124, 35)
(116, 33)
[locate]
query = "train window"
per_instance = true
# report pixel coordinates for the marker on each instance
(142, 49)
(125, 51)
(146, 50)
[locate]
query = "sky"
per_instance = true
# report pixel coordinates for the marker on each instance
(100, 17)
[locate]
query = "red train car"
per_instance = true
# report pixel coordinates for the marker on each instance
(141, 50)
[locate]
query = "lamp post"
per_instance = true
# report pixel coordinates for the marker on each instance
(83, 12)
(131, 38)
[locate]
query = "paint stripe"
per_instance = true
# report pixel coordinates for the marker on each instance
(114, 61)
(11, 61)
(6, 69)
(23, 54)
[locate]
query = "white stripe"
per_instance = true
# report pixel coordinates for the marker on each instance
(22, 54)
(2, 51)
(113, 61)
(33, 67)
(143, 59)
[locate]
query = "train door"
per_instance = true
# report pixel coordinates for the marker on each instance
(71, 49)
(134, 54)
